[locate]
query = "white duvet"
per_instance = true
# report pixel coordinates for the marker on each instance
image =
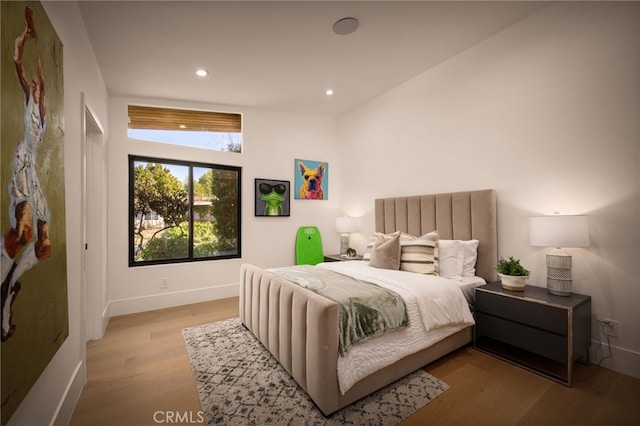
(436, 307)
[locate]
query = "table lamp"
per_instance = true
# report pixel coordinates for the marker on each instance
(559, 231)
(345, 225)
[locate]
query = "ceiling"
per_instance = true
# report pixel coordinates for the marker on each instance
(282, 56)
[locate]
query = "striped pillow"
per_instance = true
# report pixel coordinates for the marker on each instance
(420, 255)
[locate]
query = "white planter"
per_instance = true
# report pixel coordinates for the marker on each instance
(512, 282)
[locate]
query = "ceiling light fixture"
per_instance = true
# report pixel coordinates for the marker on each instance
(202, 73)
(345, 26)
(329, 92)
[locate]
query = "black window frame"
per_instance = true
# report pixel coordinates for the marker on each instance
(191, 164)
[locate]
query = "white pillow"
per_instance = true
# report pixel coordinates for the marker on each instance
(470, 249)
(451, 258)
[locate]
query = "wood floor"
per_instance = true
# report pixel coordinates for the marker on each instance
(139, 374)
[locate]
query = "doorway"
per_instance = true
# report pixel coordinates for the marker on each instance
(94, 225)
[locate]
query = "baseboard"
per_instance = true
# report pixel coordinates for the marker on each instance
(70, 397)
(618, 359)
(171, 299)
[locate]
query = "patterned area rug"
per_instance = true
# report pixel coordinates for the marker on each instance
(240, 383)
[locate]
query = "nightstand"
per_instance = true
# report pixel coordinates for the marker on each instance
(534, 329)
(339, 258)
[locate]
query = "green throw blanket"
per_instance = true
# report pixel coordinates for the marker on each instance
(366, 309)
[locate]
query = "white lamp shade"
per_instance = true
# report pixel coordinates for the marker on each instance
(346, 224)
(559, 231)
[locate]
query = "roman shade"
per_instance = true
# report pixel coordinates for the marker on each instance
(142, 117)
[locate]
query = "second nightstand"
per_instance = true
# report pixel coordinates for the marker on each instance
(534, 329)
(339, 258)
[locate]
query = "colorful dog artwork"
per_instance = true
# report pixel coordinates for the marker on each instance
(311, 180)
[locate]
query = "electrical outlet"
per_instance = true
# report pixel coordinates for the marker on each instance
(164, 283)
(611, 327)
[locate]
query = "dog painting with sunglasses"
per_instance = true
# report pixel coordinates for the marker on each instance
(311, 187)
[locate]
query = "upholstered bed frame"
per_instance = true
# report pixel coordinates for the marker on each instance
(300, 328)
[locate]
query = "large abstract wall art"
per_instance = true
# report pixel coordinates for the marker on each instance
(32, 217)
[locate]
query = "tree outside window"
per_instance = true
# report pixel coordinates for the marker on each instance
(182, 211)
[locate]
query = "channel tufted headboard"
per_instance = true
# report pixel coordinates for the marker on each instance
(456, 216)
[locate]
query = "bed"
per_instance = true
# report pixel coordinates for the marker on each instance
(300, 327)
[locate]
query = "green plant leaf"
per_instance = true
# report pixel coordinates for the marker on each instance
(511, 266)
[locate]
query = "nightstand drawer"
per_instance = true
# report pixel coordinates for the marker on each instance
(533, 314)
(534, 329)
(534, 340)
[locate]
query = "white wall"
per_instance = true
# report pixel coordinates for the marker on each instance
(271, 143)
(562, 84)
(545, 112)
(53, 396)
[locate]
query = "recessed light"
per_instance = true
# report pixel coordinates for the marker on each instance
(182, 126)
(202, 73)
(328, 92)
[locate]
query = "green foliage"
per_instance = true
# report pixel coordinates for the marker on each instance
(234, 147)
(221, 187)
(174, 243)
(511, 267)
(204, 232)
(225, 208)
(175, 246)
(157, 190)
(204, 186)
(205, 241)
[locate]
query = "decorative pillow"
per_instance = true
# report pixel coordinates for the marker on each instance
(366, 256)
(470, 256)
(385, 253)
(420, 254)
(450, 258)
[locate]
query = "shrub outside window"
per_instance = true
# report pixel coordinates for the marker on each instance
(182, 211)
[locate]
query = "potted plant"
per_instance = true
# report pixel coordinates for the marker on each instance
(351, 253)
(512, 274)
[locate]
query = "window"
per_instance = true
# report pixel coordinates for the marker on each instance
(182, 211)
(218, 131)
